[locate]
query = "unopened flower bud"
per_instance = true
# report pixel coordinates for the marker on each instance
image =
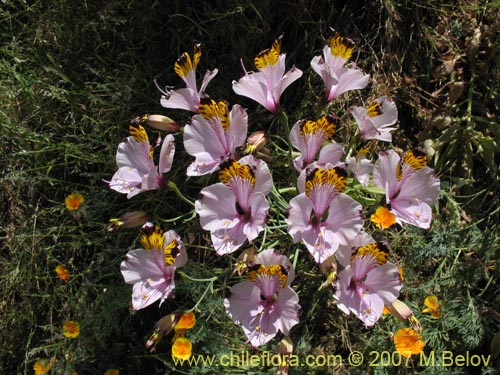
(246, 257)
(256, 141)
(160, 122)
(329, 268)
(129, 220)
(400, 310)
(285, 350)
(163, 327)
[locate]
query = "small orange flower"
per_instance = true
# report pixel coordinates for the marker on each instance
(383, 218)
(71, 329)
(112, 371)
(385, 311)
(433, 306)
(62, 272)
(73, 201)
(182, 348)
(186, 321)
(408, 342)
(43, 366)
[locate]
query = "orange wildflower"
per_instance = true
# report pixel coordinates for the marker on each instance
(43, 366)
(433, 306)
(182, 348)
(73, 201)
(186, 321)
(112, 371)
(383, 218)
(71, 329)
(62, 272)
(408, 342)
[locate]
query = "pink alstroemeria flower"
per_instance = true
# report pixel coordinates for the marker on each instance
(308, 137)
(213, 135)
(365, 286)
(235, 209)
(152, 268)
(268, 84)
(137, 171)
(375, 121)
(187, 98)
(265, 303)
(331, 68)
(410, 186)
(322, 216)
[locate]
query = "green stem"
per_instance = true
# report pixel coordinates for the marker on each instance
(211, 279)
(171, 185)
(209, 287)
(291, 189)
(283, 119)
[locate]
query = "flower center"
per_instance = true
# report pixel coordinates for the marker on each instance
(184, 64)
(374, 109)
(341, 47)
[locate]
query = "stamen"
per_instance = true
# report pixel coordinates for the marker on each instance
(341, 47)
(337, 177)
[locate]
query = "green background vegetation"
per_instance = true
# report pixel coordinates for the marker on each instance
(73, 74)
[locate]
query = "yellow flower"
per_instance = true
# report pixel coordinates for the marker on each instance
(42, 366)
(182, 348)
(73, 201)
(186, 321)
(112, 371)
(408, 342)
(62, 272)
(71, 329)
(383, 218)
(433, 306)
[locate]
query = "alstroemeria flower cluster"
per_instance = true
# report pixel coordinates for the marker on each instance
(137, 171)
(265, 303)
(322, 218)
(151, 269)
(236, 209)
